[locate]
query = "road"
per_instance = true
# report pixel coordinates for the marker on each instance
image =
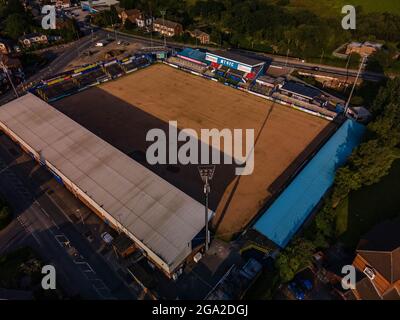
(273, 59)
(72, 51)
(298, 64)
(40, 223)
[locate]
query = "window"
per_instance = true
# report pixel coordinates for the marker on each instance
(370, 273)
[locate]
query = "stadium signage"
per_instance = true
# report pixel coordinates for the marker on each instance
(228, 63)
(165, 150)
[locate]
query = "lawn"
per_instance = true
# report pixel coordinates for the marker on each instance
(368, 206)
(333, 7)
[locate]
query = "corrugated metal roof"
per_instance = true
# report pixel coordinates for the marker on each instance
(163, 217)
(193, 54)
(301, 89)
(285, 216)
(237, 57)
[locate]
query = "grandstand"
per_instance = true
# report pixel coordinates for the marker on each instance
(235, 66)
(185, 64)
(81, 78)
(192, 55)
(60, 89)
(261, 89)
(92, 77)
(113, 69)
(133, 63)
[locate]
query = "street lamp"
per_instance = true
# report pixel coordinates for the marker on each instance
(163, 12)
(206, 174)
(354, 85)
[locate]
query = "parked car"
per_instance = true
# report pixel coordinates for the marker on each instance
(107, 238)
(296, 291)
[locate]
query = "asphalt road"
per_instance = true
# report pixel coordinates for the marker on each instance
(70, 53)
(42, 225)
(298, 64)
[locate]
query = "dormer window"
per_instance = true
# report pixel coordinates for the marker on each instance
(370, 273)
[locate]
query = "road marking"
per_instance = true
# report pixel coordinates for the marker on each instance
(45, 212)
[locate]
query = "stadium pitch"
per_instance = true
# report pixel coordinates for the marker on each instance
(121, 112)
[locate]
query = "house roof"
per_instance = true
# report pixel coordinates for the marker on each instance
(167, 23)
(381, 249)
(366, 290)
(392, 294)
(198, 33)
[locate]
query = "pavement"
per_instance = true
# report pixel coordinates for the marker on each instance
(44, 223)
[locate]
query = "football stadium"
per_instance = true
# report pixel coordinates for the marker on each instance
(89, 128)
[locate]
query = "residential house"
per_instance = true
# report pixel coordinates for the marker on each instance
(363, 49)
(130, 15)
(168, 28)
(203, 37)
(144, 21)
(33, 38)
(378, 263)
(63, 4)
(5, 46)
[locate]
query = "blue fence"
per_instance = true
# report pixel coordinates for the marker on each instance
(286, 215)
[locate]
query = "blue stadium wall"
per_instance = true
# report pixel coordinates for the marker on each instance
(286, 215)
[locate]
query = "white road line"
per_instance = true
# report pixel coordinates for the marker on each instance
(45, 212)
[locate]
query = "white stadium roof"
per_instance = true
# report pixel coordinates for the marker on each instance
(159, 216)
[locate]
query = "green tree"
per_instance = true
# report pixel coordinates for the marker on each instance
(294, 258)
(16, 25)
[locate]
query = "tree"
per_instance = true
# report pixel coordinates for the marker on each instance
(294, 258)
(345, 181)
(16, 25)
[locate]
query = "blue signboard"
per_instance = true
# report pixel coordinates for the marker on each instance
(228, 63)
